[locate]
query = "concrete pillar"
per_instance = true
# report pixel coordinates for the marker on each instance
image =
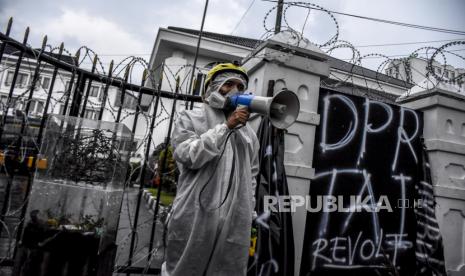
(298, 69)
(444, 133)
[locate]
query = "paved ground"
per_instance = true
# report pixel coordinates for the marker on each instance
(144, 228)
(8, 226)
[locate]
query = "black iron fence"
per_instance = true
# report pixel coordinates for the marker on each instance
(35, 83)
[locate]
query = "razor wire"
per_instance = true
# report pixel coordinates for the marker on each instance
(297, 39)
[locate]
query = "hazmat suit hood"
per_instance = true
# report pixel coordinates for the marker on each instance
(213, 96)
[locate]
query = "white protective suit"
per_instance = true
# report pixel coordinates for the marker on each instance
(207, 240)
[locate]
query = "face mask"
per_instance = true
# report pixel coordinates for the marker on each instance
(216, 99)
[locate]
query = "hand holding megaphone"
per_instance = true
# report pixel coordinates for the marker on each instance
(238, 117)
(282, 109)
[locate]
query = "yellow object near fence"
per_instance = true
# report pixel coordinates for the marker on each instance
(40, 163)
(253, 244)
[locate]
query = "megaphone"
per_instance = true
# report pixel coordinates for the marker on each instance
(282, 109)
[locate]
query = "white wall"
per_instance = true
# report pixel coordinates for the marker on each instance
(444, 133)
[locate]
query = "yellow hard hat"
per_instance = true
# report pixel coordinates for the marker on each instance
(224, 67)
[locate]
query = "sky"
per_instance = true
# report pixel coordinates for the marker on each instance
(119, 28)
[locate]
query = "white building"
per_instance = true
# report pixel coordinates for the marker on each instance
(58, 97)
(24, 81)
(415, 70)
(175, 48)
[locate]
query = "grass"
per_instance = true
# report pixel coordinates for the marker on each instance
(165, 198)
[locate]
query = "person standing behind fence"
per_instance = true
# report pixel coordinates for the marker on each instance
(208, 232)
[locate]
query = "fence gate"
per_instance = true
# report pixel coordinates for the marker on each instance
(40, 90)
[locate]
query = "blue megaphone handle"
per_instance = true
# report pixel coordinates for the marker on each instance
(242, 99)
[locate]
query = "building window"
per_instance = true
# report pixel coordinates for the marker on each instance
(36, 108)
(90, 114)
(45, 83)
(409, 77)
(39, 108)
(3, 101)
(396, 71)
(130, 101)
(94, 91)
(62, 107)
(13, 103)
(17, 103)
(67, 86)
(101, 95)
(21, 80)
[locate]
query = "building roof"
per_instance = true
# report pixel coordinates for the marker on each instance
(363, 71)
(237, 40)
(10, 50)
(333, 62)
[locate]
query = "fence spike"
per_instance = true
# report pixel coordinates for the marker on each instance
(77, 56)
(8, 26)
(26, 35)
(44, 42)
(126, 73)
(144, 74)
(111, 66)
(94, 62)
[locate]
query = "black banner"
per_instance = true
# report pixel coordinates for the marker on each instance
(360, 209)
(275, 243)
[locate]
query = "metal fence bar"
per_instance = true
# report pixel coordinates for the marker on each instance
(89, 85)
(6, 200)
(13, 82)
(49, 96)
(105, 91)
(31, 91)
(73, 98)
(35, 152)
(7, 33)
(129, 269)
(20, 138)
(123, 94)
(144, 168)
(97, 77)
(162, 169)
(77, 95)
(71, 82)
(139, 102)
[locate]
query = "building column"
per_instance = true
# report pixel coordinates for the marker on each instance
(298, 69)
(444, 134)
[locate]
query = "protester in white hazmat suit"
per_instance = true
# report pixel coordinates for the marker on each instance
(209, 227)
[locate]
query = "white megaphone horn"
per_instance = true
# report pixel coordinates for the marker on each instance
(282, 109)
